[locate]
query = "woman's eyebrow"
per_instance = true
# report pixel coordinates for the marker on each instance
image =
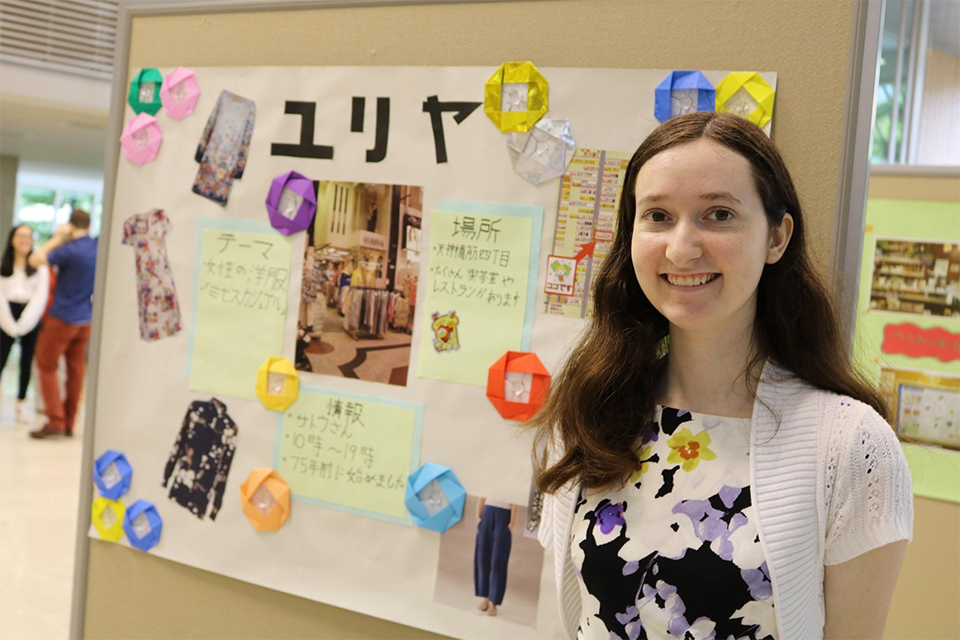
(712, 196)
(720, 195)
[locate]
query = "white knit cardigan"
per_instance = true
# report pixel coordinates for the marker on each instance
(829, 484)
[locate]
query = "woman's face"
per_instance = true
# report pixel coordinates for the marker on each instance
(23, 240)
(701, 237)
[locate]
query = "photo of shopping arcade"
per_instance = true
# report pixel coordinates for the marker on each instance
(359, 285)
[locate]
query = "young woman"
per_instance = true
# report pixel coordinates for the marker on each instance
(714, 467)
(23, 299)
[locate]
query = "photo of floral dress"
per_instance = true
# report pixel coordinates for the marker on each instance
(222, 152)
(675, 552)
(156, 290)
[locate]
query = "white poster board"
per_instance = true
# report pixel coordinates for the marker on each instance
(374, 566)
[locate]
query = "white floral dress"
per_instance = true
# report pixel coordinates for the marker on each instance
(675, 553)
(156, 290)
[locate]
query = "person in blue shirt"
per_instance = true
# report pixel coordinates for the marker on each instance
(67, 330)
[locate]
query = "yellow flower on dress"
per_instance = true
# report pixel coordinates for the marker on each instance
(643, 464)
(690, 449)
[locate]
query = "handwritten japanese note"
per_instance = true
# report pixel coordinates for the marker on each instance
(350, 452)
(477, 289)
(240, 304)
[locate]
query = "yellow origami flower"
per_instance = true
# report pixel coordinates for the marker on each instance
(690, 449)
(643, 465)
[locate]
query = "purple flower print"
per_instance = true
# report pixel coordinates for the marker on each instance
(758, 582)
(611, 516)
(713, 524)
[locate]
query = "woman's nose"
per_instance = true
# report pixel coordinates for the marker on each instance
(684, 243)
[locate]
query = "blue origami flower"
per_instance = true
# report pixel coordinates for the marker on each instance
(114, 482)
(142, 524)
(435, 497)
(688, 85)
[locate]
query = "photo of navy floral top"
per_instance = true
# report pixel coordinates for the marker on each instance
(675, 552)
(201, 458)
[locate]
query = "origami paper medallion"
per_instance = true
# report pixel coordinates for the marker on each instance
(545, 151)
(179, 93)
(144, 94)
(435, 497)
(112, 474)
(278, 383)
(266, 499)
(291, 202)
(142, 524)
(517, 385)
(107, 517)
(747, 95)
(683, 92)
(516, 96)
(141, 139)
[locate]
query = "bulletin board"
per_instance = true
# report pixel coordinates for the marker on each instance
(369, 563)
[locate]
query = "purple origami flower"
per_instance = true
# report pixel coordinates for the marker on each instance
(291, 203)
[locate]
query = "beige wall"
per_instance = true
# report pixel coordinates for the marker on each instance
(8, 190)
(134, 595)
(925, 601)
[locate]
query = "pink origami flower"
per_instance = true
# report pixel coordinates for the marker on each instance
(141, 139)
(179, 93)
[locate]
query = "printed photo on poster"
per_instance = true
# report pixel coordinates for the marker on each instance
(926, 404)
(914, 276)
(359, 287)
(488, 565)
(583, 233)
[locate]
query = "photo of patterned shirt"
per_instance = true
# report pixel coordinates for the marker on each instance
(201, 458)
(156, 291)
(222, 152)
(675, 552)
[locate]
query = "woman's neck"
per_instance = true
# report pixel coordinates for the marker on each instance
(20, 261)
(704, 371)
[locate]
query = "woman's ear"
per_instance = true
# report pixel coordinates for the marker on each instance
(780, 238)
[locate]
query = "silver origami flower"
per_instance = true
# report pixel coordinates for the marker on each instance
(544, 152)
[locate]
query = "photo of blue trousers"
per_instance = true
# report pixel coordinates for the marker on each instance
(492, 554)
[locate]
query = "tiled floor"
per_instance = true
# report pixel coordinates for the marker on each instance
(38, 506)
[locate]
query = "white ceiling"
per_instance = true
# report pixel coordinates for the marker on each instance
(52, 117)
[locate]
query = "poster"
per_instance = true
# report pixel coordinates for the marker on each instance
(586, 213)
(908, 331)
(358, 291)
(350, 452)
(479, 289)
(241, 276)
(404, 127)
(926, 406)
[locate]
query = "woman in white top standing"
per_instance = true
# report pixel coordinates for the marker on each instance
(713, 466)
(23, 298)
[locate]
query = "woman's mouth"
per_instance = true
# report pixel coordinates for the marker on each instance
(693, 281)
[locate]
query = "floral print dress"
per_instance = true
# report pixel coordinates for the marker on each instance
(222, 152)
(156, 291)
(675, 552)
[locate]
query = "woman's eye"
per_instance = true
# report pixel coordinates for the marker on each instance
(722, 215)
(657, 216)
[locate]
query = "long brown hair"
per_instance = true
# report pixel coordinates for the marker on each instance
(603, 399)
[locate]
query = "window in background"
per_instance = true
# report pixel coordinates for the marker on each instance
(917, 117)
(36, 208)
(43, 208)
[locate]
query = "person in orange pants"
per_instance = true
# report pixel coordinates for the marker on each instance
(67, 330)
